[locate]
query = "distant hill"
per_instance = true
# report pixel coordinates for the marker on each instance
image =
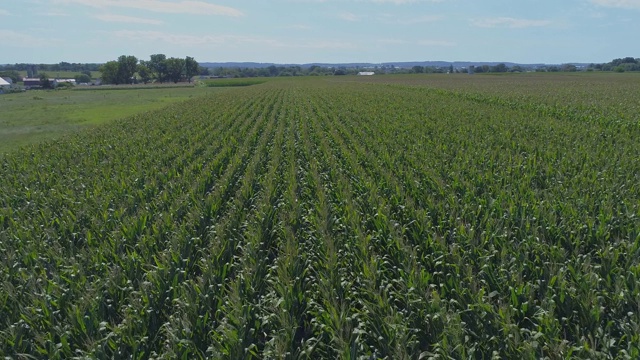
(401, 64)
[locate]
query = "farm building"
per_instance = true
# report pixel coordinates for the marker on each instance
(366, 73)
(57, 82)
(4, 84)
(31, 82)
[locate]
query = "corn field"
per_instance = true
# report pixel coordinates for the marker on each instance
(325, 219)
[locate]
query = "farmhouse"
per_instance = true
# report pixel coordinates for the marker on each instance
(366, 73)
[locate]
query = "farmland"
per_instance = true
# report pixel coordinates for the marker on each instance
(397, 217)
(35, 116)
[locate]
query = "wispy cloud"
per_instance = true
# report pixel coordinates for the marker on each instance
(298, 27)
(402, 2)
(23, 40)
(172, 7)
(349, 16)
(323, 45)
(423, 19)
(508, 22)
(54, 14)
(624, 4)
(427, 43)
(4, 12)
(437, 43)
(127, 19)
(394, 19)
(190, 40)
(219, 40)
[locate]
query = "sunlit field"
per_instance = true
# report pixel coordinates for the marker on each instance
(383, 217)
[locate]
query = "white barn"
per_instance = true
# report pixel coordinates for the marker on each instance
(366, 73)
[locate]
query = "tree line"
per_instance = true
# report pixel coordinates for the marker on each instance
(619, 65)
(128, 69)
(33, 70)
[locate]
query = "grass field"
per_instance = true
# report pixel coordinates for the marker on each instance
(35, 116)
(390, 217)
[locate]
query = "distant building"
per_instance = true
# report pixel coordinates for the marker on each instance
(366, 73)
(4, 84)
(35, 83)
(31, 83)
(57, 82)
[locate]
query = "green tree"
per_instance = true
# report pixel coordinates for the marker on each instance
(175, 69)
(158, 65)
(83, 78)
(127, 66)
(203, 71)
(45, 82)
(418, 69)
(144, 72)
(110, 73)
(500, 68)
(12, 74)
(191, 67)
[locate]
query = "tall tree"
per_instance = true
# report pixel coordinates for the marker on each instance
(158, 66)
(175, 69)
(191, 67)
(127, 66)
(110, 73)
(144, 71)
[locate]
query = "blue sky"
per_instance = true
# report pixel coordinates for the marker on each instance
(304, 31)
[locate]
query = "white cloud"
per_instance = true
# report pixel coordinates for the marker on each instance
(324, 45)
(390, 18)
(349, 16)
(4, 12)
(402, 2)
(625, 4)
(54, 14)
(190, 40)
(163, 6)
(298, 27)
(427, 43)
(394, 19)
(509, 23)
(423, 19)
(438, 43)
(230, 40)
(127, 19)
(24, 40)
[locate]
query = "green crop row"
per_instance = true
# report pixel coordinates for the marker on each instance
(326, 219)
(233, 82)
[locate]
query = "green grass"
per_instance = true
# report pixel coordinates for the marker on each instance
(36, 116)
